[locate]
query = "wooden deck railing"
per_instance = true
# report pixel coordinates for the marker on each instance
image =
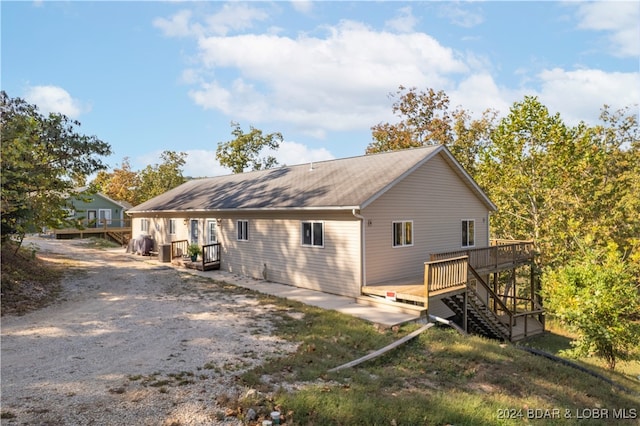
(210, 255)
(454, 273)
(501, 254)
(179, 248)
(94, 226)
(443, 275)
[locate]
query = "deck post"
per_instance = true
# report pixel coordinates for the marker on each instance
(427, 283)
(464, 309)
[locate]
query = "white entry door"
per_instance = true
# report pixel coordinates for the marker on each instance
(212, 235)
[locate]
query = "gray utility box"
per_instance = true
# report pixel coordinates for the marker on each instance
(164, 253)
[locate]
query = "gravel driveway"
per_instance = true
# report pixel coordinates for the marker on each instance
(131, 342)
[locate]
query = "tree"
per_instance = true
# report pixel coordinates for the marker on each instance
(426, 120)
(557, 184)
(244, 151)
(122, 184)
(524, 170)
(43, 158)
(158, 179)
(597, 297)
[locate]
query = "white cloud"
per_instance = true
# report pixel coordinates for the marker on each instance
(576, 93)
(480, 92)
(303, 6)
(231, 17)
(620, 19)
(179, 25)
(203, 163)
(292, 153)
(54, 99)
(460, 15)
(404, 22)
(338, 82)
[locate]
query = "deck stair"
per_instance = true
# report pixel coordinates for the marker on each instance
(480, 319)
(461, 283)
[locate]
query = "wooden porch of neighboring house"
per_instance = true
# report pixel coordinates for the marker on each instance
(492, 291)
(114, 229)
(209, 258)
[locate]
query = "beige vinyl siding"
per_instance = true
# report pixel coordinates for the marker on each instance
(275, 240)
(159, 229)
(436, 200)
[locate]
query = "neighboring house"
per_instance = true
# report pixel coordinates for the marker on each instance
(98, 215)
(334, 226)
(97, 210)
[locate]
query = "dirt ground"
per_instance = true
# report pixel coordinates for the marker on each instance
(131, 342)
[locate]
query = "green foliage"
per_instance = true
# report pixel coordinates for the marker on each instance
(193, 250)
(244, 151)
(599, 299)
(158, 179)
(122, 184)
(426, 120)
(43, 160)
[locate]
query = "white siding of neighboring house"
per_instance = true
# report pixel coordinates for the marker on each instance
(436, 200)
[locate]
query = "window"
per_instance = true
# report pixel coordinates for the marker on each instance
(313, 234)
(172, 226)
(468, 233)
(194, 231)
(403, 233)
(243, 230)
(105, 216)
(144, 225)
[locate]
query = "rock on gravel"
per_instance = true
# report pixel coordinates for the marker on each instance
(131, 343)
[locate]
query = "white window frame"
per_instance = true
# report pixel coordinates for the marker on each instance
(403, 235)
(313, 224)
(144, 226)
(172, 226)
(242, 230)
(107, 216)
(465, 232)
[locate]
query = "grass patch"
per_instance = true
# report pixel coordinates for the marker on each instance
(29, 281)
(438, 378)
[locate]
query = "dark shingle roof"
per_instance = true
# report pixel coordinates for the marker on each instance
(334, 184)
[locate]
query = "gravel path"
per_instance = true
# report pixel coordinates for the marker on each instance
(130, 343)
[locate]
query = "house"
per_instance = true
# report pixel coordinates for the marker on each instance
(333, 226)
(95, 210)
(412, 223)
(95, 213)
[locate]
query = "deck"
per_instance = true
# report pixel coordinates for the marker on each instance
(407, 289)
(452, 277)
(116, 229)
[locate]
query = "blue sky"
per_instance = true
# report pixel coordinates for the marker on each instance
(153, 76)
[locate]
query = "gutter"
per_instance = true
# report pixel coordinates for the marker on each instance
(240, 209)
(356, 214)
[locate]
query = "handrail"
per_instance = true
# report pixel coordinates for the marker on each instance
(493, 295)
(179, 248)
(489, 320)
(445, 273)
(498, 254)
(210, 253)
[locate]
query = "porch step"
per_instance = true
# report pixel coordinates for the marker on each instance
(405, 308)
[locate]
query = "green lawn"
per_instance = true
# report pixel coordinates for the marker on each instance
(439, 378)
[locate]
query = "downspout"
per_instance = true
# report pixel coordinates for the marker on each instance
(356, 214)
